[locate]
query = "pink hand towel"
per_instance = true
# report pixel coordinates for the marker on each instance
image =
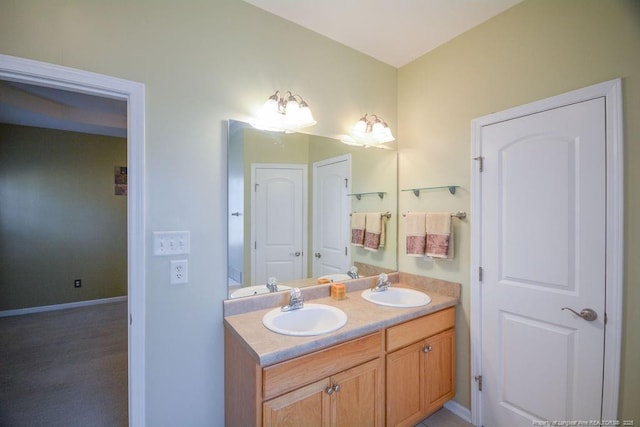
(439, 235)
(358, 221)
(415, 229)
(374, 233)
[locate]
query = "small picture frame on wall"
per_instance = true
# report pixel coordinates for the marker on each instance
(120, 180)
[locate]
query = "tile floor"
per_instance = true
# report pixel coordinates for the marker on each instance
(443, 418)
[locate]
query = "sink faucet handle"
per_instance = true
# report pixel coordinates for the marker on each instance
(272, 284)
(295, 300)
(382, 283)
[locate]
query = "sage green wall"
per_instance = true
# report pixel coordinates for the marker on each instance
(59, 217)
(202, 62)
(534, 50)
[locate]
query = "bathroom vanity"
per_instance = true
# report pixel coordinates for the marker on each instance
(386, 366)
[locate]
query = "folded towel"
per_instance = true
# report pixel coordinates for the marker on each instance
(374, 233)
(358, 223)
(415, 229)
(439, 235)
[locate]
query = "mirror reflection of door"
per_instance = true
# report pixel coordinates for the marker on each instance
(331, 183)
(279, 222)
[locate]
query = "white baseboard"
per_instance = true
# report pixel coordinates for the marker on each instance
(31, 310)
(459, 410)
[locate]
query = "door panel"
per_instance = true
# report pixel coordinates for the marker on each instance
(307, 406)
(359, 399)
(523, 387)
(440, 378)
(331, 217)
(279, 225)
(519, 164)
(543, 248)
(406, 399)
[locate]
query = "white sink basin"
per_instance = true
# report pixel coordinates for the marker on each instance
(312, 319)
(397, 297)
(256, 290)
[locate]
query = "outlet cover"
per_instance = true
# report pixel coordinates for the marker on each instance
(171, 243)
(179, 271)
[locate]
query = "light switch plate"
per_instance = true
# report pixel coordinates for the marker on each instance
(171, 243)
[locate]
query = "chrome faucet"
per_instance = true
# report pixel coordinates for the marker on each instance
(295, 300)
(353, 272)
(382, 284)
(272, 284)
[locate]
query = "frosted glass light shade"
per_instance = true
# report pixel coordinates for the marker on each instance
(370, 130)
(286, 114)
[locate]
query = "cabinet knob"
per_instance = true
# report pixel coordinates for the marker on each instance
(427, 349)
(329, 390)
(336, 388)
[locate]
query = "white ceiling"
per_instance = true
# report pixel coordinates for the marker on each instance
(29, 105)
(393, 31)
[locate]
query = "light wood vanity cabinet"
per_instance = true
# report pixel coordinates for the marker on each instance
(420, 367)
(341, 385)
(350, 398)
(344, 385)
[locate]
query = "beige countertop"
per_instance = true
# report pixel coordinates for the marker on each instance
(364, 317)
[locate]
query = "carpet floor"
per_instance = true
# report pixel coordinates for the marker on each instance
(65, 368)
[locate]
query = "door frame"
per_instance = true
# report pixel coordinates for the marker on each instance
(611, 91)
(341, 158)
(305, 209)
(65, 78)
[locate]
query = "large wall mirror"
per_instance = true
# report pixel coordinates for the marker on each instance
(291, 198)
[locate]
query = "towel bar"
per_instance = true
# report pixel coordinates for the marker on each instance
(385, 215)
(459, 214)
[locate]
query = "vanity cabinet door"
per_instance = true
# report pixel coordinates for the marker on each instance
(420, 379)
(307, 406)
(358, 396)
(350, 398)
(405, 386)
(440, 369)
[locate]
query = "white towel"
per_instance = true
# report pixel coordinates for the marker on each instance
(415, 229)
(439, 235)
(374, 234)
(358, 224)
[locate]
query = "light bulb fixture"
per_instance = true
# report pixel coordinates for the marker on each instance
(370, 130)
(288, 113)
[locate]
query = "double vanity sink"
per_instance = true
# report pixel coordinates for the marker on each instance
(318, 319)
(372, 358)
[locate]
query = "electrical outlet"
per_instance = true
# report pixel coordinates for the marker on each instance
(179, 272)
(77, 283)
(171, 242)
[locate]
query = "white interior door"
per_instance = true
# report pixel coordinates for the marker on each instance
(278, 222)
(332, 181)
(543, 248)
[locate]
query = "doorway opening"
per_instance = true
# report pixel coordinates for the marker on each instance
(23, 71)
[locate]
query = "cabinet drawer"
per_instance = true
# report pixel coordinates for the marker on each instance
(291, 374)
(418, 329)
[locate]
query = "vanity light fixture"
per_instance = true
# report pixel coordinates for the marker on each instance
(288, 113)
(370, 130)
